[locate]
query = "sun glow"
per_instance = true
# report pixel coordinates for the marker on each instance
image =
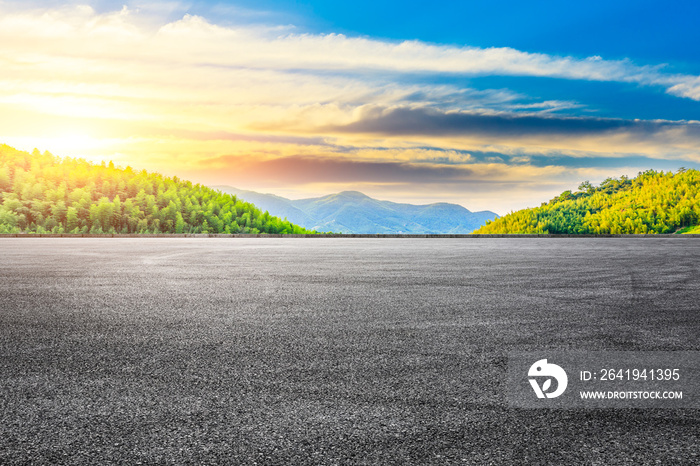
(65, 145)
(74, 143)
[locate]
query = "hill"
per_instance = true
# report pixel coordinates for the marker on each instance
(42, 193)
(354, 212)
(652, 202)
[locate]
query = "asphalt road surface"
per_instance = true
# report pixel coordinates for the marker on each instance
(329, 351)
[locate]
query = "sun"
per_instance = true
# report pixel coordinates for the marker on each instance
(71, 144)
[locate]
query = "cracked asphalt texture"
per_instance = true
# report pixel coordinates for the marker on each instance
(329, 350)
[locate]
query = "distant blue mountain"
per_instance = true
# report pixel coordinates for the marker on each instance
(354, 212)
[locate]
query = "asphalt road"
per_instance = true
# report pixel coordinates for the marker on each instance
(329, 351)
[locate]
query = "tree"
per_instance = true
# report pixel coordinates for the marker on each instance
(72, 220)
(179, 223)
(5, 181)
(586, 187)
(58, 212)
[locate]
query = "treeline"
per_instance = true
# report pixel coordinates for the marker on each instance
(652, 202)
(42, 193)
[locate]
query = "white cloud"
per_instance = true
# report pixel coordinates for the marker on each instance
(194, 41)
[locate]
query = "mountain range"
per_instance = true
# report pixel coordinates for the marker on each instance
(355, 212)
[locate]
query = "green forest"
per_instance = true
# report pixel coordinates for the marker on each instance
(42, 193)
(652, 202)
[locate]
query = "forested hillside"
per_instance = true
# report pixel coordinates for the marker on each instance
(653, 202)
(41, 193)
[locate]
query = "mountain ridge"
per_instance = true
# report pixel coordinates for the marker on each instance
(355, 212)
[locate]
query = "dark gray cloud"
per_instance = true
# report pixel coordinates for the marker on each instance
(299, 169)
(231, 136)
(432, 122)
(305, 169)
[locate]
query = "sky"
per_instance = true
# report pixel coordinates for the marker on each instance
(492, 105)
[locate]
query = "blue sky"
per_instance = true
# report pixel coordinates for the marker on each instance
(639, 30)
(492, 105)
(643, 30)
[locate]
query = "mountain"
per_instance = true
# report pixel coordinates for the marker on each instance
(354, 212)
(652, 202)
(41, 193)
